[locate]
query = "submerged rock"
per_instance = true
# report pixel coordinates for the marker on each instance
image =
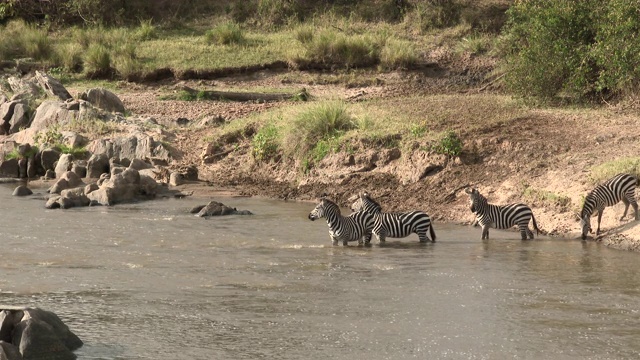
(214, 208)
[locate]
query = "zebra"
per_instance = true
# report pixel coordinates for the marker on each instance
(501, 217)
(620, 187)
(356, 226)
(395, 225)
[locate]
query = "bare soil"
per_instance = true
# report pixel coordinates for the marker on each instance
(549, 150)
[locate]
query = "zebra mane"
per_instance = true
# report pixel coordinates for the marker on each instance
(365, 195)
(329, 203)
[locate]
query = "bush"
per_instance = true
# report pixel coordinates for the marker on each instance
(435, 14)
(398, 54)
(265, 143)
(449, 144)
(581, 49)
(97, 61)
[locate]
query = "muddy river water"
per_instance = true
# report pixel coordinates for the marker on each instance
(152, 281)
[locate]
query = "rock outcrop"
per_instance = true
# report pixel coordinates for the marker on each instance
(35, 334)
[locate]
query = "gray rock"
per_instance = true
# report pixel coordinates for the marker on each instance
(22, 190)
(103, 99)
(52, 202)
(214, 208)
(9, 168)
(176, 179)
(79, 169)
(97, 165)
(20, 118)
(64, 164)
(48, 158)
(52, 86)
(51, 112)
(9, 351)
(22, 168)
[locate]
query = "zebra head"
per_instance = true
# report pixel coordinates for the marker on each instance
(475, 199)
(585, 224)
(364, 202)
(324, 207)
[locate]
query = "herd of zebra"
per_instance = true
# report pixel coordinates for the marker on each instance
(367, 217)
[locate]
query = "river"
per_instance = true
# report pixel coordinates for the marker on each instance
(152, 281)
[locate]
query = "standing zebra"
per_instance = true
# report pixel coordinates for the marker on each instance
(501, 217)
(395, 225)
(356, 226)
(620, 187)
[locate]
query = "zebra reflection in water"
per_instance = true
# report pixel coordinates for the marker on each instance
(501, 217)
(395, 225)
(356, 226)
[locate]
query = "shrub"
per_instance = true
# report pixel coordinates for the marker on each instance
(449, 144)
(225, 34)
(435, 14)
(20, 40)
(265, 143)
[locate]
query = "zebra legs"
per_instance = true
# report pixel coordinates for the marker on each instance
(485, 232)
(633, 203)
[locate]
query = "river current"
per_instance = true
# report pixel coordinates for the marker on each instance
(152, 281)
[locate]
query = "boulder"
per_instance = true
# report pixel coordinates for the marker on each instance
(9, 351)
(22, 190)
(64, 164)
(135, 146)
(22, 168)
(74, 197)
(19, 119)
(36, 334)
(48, 158)
(103, 99)
(176, 179)
(9, 168)
(52, 86)
(97, 165)
(214, 208)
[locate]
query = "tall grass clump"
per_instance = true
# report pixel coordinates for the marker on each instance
(315, 125)
(333, 48)
(398, 54)
(275, 13)
(146, 31)
(435, 14)
(107, 52)
(21, 40)
(265, 143)
(225, 34)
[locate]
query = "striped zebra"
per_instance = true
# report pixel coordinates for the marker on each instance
(501, 217)
(620, 187)
(356, 226)
(395, 225)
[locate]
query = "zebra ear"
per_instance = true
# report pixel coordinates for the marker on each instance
(467, 190)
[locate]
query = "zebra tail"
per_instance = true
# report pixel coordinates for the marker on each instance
(433, 233)
(535, 226)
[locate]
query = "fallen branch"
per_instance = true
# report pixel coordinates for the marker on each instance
(245, 96)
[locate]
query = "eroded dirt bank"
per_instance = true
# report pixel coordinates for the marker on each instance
(522, 159)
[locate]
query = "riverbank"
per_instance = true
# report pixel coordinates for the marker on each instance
(549, 158)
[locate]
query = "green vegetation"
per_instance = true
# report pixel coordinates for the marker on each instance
(576, 49)
(546, 198)
(604, 172)
(449, 144)
(265, 143)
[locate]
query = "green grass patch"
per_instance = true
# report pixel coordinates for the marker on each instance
(225, 34)
(606, 171)
(265, 143)
(448, 144)
(544, 198)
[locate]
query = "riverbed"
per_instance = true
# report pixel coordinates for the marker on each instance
(150, 280)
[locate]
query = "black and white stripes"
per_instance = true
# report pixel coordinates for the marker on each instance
(395, 225)
(356, 226)
(620, 187)
(501, 217)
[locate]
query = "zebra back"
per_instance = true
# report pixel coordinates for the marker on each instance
(609, 193)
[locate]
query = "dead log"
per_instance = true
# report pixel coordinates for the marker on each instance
(245, 96)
